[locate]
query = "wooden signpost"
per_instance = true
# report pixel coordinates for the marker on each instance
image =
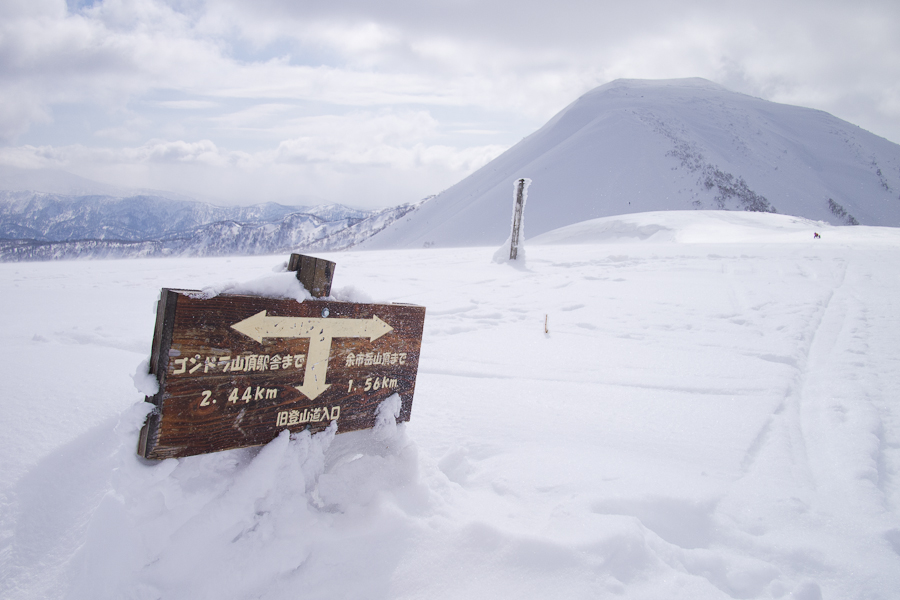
(234, 371)
(518, 209)
(314, 274)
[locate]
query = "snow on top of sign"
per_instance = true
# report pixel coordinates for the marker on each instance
(282, 284)
(279, 285)
(350, 293)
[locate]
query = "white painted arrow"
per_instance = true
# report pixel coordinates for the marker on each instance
(260, 326)
(320, 333)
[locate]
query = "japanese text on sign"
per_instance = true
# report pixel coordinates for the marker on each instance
(376, 358)
(242, 363)
(287, 418)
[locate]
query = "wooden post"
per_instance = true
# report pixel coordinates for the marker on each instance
(315, 274)
(517, 220)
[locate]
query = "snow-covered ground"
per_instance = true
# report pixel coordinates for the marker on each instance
(713, 414)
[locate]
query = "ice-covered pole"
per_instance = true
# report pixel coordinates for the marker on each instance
(518, 209)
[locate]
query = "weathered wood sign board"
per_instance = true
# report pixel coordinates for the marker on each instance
(234, 371)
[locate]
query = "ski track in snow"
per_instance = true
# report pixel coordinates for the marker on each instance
(702, 420)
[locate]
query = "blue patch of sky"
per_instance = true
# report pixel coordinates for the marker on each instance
(75, 6)
(71, 123)
(295, 52)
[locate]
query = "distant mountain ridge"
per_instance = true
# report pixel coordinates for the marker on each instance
(635, 146)
(43, 226)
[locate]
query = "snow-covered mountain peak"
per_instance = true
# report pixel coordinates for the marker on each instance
(635, 146)
(637, 85)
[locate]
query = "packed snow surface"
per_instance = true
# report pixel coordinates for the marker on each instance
(712, 413)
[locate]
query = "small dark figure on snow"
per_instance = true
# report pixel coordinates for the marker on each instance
(816, 235)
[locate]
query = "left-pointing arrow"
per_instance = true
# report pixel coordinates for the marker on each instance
(253, 327)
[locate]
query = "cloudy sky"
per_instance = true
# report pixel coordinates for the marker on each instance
(375, 103)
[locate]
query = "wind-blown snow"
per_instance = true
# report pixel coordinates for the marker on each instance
(637, 145)
(711, 415)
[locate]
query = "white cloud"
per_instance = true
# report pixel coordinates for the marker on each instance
(335, 155)
(19, 109)
(161, 151)
(187, 104)
(305, 93)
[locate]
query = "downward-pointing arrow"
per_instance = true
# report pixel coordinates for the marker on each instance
(320, 332)
(316, 368)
